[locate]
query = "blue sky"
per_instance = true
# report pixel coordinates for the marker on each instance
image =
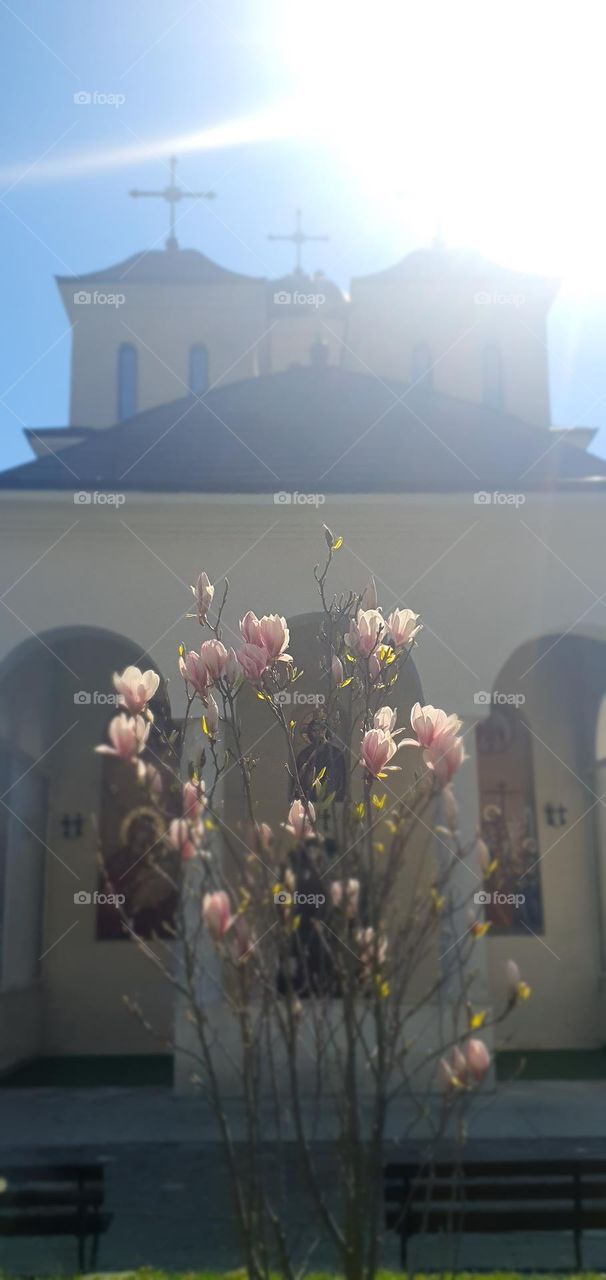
(367, 168)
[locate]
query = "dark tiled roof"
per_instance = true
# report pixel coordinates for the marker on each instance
(314, 430)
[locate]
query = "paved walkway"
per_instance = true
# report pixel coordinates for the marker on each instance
(168, 1190)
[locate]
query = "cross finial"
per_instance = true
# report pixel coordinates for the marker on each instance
(173, 194)
(298, 237)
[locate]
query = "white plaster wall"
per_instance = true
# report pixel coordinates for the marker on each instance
(484, 578)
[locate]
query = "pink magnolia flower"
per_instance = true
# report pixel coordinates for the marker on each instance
(194, 800)
(374, 666)
(274, 635)
(445, 759)
(128, 736)
(477, 1059)
(269, 632)
(194, 672)
(249, 628)
(385, 719)
(203, 595)
(231, 670)
(180, 836)
(366, 941)
(368, 599)
(213, 657)
(216, 913)
(402, 626)
(431, 723)
(253, 659)
(378, 748)
(365, 632)
(346, 893)
(135, 688)
(211, 716)
(265, 835)
(446, 1076)
(336, 669)
(301, 819)
(153, 778)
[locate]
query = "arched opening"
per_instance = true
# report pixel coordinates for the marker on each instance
(542, 799)
(59, 809)
(198, 370)
(127, 381)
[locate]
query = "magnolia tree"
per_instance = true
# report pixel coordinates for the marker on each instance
(309, 952)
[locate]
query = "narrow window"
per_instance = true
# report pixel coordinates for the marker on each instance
(127, 381)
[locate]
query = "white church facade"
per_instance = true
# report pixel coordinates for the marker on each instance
(215, 421)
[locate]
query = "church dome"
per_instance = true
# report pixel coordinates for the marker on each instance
(163, 266)
(297, 292)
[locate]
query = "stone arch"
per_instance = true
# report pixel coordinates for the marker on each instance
(555, 685)
(50, 822)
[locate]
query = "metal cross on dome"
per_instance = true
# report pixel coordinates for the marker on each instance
(298, 237)
(173, 195)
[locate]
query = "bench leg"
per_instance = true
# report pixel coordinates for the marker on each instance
(94, 1252)
(578, 1250)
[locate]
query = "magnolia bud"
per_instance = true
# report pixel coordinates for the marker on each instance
(211, 716)
(336, 669)
(368, 599)
(203, 592)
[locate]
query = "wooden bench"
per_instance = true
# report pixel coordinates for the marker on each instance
(55, 1200)
(501, 1198)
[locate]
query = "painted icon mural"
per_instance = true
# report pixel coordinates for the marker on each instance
(513, 899)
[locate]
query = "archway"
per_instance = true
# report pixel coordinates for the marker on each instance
(537, 767)
(62, 983)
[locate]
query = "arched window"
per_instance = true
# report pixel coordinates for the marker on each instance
(198, 370)
(127, 381)
(421, 371)
(492, 377)
(514, 897)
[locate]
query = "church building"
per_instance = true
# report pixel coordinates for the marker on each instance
(216, 421)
